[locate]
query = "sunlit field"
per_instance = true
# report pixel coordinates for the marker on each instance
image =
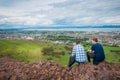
(32, 51)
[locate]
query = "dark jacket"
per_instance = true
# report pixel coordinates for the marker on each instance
(99, 53)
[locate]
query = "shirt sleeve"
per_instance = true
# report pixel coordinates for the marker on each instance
(92, 48)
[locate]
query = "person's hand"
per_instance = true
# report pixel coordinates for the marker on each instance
(90, 51)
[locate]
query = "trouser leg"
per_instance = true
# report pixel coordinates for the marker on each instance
(71, 61)
(95, 62)
(88, 57)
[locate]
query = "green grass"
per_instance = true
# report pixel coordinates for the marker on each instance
(31, 51)
(23, 50)
(112, 56)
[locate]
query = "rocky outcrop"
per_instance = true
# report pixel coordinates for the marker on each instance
(15, 70)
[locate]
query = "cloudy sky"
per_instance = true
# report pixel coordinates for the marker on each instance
(59, 12)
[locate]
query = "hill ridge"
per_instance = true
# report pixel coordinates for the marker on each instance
(11, 69)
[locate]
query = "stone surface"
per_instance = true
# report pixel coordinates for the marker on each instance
(15, 70)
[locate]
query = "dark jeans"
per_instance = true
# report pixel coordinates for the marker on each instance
(95, 60)
(72, 61)
(90, 55)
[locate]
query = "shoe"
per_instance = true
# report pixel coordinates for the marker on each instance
(68, 68)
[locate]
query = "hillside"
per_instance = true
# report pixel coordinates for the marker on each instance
(33, 51)
(15, 70)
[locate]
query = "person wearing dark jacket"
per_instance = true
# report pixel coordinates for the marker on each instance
(96, 52)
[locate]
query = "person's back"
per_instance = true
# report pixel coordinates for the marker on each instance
(79, 53)
(99, 52)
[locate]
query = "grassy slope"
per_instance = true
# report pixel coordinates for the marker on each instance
(30, 51)
(20, 49)
(112, 56)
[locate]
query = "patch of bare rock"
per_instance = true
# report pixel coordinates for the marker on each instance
(44, 70)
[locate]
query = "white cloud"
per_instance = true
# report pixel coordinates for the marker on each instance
(67, 12)
(111, 20)
(27, 20)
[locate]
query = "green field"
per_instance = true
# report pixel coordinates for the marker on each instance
(32, 51)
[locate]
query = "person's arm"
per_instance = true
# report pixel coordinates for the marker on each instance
(74, 51)
(92, 49)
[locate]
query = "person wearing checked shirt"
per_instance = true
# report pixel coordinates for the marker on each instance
(78, 55)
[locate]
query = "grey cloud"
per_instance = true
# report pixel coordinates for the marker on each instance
(61, 12)
(98, 10)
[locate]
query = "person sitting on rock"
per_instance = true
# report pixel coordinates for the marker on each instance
(96, 52)
(78, 54)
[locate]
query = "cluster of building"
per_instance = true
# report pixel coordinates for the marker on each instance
(107, 38)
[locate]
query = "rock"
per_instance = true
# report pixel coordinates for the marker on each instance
(15, 70)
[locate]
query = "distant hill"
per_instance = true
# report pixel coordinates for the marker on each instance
(23, 27)
(15, 70)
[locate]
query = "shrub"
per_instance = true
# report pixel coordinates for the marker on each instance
(50, 52)
(47, 50)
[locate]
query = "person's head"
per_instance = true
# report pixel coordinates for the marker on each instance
(94, 40)
(77, 42)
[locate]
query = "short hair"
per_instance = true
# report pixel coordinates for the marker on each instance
(78, 42)
(95, 39)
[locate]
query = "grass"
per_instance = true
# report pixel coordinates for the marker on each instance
(31, 51)
(23, 50)
(112, 56)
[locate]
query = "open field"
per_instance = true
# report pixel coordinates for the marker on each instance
(32, 51)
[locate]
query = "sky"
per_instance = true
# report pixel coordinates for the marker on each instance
(22, 13)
